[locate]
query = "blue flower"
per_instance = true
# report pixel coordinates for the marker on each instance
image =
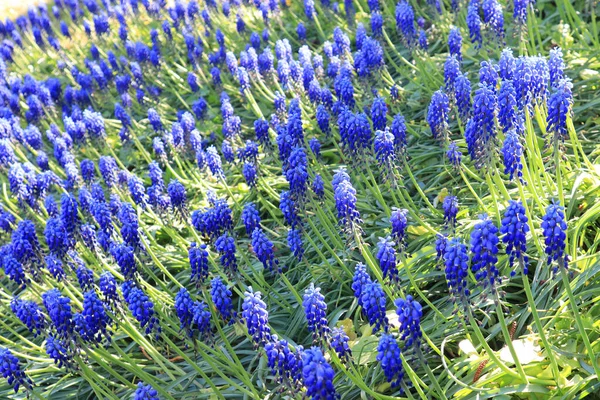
(225, 245)
(345, 204)
(437, 115)
(178, 197)
(559, 108)
(409, 313)
(507, 106)
(10, 369)
(388, 354)
(507, 65)
(198, 257)
(457, 269)
(59, 311)
(369, 59)
(283, 362)
(386, 255)
(482, 143)
(556, 66)
(378, 113)
(318, 187)
(317, 375)
(323, 118)
(514, 228)
(254, 312)
(30, 315)
(108, 288)
(287, 206)
(554, 227)
(512, 152)
(184, 311)
(484, 249)
(372, 300)
(520, 10)
(145, 392)
(141, 307)
(95, 319)
(339, 343)
(59, 351)
(297, 172)
(474, 23)
(294, 240)
(398, 129)
(263, 248)
(451, 73)
(213, 160)
(315, 310)
(454, 155)
(455, 43)
(450, 206)
(221, 298)
(55, 267)
(405, 22)
(494, 19)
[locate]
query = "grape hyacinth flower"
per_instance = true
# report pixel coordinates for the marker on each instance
(10, 369)
(317, 375)
(388, 354)
(386, 255)
(455, 43)
(474, 23)
(294, 240)
(514, 230)
(409, 313)
(263, 248)
(372, 300)
(339, 343)
(450, 206)
(405, 22)
(512, 152)
(559, 108)
(437, 115)
(454, 155)
(456, 261)
(59, 311)
(345, 203)
(554, 227)
(385, 153)
(484, 249)
(198, 257)
(254, 312)
(221, 298)
(141, 307)
(315, 310)
(225, 245)
(145, 392)
(30, 315)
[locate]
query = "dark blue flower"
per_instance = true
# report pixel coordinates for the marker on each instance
(454, 155)
(339, 343)
(125, 258)
(405, 22)
(287, 205)
(254, 312)
(379, 113)
(323, 119)
(386, 255)
(385, 152)
(455, 43)
(263, 248)
(559, 108)
(494, 19)
(178, 197)
(317, 375)
(95, 319)
(30, 315)
(398, 129)
(345, 204)
(318, 186)
(450, 206)
(507, 106)
(59, 351)
(474, 23)
(451, 73)
(225, 245)
(437, 115)
(484, 249)
(141, 307)
(315, 310)
(145, 392)
(59, 311)
(372, 300)
(514, 228)
(221, 298)
(10, 369)
(388, 354)
(554, 227)
(108, 288)
(556, 66)
(294, 240)
(297, 172)
(457, 269)
(483, 143)
(369, 59)
(512, 152)
(409, 313)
